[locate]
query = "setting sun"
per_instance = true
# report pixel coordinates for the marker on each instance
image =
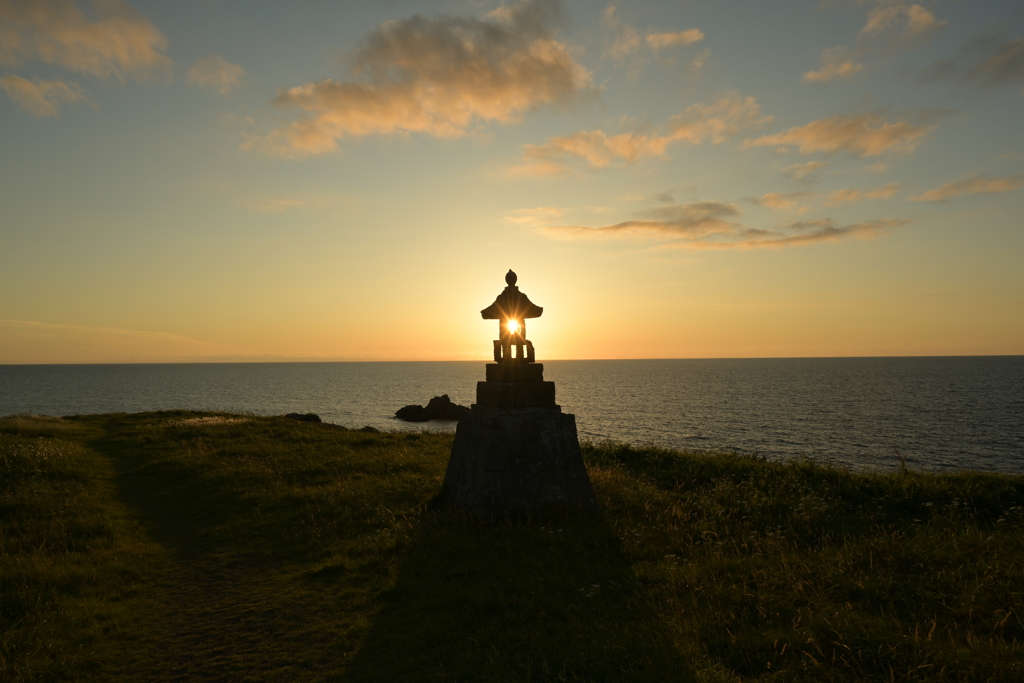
(512, 326)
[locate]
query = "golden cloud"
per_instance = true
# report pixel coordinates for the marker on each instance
(689, 221)
(784, 201)
(850, 195)
(803, 172)
(437, 76)
(809, 232)
(212, 72)
(658, 41)
(916, 20)
(865, 135)
(836, 62)
(716, 123)
(625, 41)
(539, 169)
(593, 146)
(984, 184)
(535, 217)
(704, 225)
(41, 98)
(120, 43)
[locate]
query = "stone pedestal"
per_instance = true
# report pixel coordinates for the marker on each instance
(516, 450)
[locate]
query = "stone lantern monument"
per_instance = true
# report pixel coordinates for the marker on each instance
(516, 450)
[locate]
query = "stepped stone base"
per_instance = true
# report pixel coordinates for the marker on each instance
(515, 372)
(516, 459)
(516, 394)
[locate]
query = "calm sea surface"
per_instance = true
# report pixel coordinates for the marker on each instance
(940, 413)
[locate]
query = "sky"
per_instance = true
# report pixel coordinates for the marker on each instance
(207, 180)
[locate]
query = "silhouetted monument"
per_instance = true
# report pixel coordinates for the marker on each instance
(515, 450)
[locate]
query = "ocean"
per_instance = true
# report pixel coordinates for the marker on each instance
(939, 414)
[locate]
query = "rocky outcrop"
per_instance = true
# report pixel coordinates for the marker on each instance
(439, 408)
(304, 417)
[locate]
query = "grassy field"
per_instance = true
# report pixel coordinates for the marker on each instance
(185, 546)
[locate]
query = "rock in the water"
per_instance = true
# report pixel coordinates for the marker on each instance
(304, 417)
(442, 408)
(412, 414)
(439, 408)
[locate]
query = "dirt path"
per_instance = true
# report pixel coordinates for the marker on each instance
(222, 606)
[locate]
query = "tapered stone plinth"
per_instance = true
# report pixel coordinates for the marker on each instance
(516, 450)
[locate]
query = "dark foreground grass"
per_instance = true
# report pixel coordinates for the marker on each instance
(202, 546)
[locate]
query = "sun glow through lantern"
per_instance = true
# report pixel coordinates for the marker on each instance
(511, 309)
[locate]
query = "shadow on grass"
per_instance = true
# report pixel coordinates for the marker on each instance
(179, 507)
(197, 498)
(222, 601)
(247, 597)
(544, 598)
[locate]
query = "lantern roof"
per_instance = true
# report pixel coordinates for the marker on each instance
(511, 304)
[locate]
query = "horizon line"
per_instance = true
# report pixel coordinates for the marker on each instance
(394, 360)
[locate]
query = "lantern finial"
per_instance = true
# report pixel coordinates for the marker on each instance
(510, 278)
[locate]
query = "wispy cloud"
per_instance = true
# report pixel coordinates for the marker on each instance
(595, 147)
(535, 217)
(836, 63)
(819, 231)
(119, 43)
(660, 41)
(213, 73)
(890, 24)
(696, 65)
(980, 185)
(785, 201)
(803, 172)
(865, 135)
(801, 233)
(710, 225)
(626, 41)
(438, 76)
(986, 62)
(23, 341)
(41, 98)
(688, 221)
(699, 123)
(851, 195)
(717, 122)
(910, 21)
